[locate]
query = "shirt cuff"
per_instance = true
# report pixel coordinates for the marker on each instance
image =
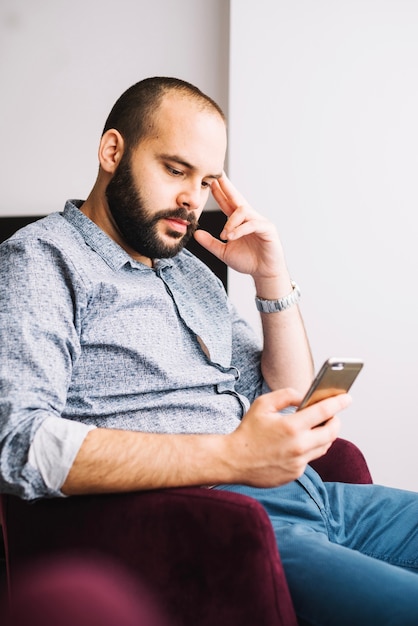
(54, 448)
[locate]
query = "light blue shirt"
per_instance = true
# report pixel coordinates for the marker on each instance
(92, 336)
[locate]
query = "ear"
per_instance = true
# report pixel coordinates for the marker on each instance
(111, 150)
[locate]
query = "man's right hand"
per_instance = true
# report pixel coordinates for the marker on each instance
(269, 448)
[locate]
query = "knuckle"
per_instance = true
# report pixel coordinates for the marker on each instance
(298, 451)
(290, 428)
(325, 411)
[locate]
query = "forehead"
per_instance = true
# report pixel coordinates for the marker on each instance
(182, 126)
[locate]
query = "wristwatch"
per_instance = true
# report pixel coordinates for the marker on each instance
(274, 306)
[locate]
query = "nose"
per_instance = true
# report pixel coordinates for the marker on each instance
(190, 197)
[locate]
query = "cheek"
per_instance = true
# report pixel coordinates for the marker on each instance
(149, 188)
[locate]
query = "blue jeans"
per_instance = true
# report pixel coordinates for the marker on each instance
(350, 552)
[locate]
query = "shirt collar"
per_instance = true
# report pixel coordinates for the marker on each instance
(111, 252)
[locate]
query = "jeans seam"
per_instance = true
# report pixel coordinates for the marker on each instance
(392, 560)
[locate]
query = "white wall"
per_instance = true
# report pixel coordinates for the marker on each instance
(63, 63)
(324, 139)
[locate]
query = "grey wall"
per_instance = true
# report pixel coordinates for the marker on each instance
(63, 63)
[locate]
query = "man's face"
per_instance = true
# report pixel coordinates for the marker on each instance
(138, 225)
(159, 190)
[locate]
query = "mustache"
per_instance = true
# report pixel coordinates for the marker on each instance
(179, 213)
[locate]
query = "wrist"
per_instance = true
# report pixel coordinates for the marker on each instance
(272, 287)
(278, 304)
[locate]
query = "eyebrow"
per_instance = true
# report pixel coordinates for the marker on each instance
(186, 164)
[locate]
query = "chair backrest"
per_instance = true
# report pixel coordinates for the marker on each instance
(212, 221)
(344, 462)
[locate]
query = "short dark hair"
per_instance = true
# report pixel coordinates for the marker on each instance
(132, 114)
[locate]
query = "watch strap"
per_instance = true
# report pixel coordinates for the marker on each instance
(281, 304)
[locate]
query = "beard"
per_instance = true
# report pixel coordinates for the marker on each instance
(137, 226)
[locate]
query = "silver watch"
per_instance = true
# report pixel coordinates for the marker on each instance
(274, 306)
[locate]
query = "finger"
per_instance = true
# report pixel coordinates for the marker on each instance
(226, 195)
(316, 453)
(230, 191)
(241, 214)
(213, 245)
(282, 399)
(221, 199)
(245, 215)
(323, 436)
(243, 228)
(322, 411)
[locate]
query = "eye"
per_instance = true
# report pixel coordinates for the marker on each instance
(173, 171)
(206, 184)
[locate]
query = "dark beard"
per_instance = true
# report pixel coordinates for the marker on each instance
(137, 227)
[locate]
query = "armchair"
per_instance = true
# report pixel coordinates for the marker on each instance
(209, 556)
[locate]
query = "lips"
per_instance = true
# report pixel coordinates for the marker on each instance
(177, 224)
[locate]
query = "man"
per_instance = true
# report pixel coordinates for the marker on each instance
(135, 371)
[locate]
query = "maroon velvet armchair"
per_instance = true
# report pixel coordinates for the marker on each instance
(209, 556)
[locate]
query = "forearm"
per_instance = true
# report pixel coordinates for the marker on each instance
(286, 359)
(267, 449)
(119, 461)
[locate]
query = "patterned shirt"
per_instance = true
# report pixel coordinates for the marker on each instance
(89, 336)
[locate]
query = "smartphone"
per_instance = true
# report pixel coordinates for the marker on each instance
(335, 376)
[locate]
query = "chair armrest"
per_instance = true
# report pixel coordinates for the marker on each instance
(344, 462)
(210, 556)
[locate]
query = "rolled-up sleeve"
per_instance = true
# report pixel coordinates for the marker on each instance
(54, 448)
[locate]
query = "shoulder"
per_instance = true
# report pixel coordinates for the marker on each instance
(52, 229)
(43, 251)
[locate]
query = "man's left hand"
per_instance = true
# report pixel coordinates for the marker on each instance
(250, 243)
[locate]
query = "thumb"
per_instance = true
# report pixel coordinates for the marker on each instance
(283, 398)
(209, 242)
